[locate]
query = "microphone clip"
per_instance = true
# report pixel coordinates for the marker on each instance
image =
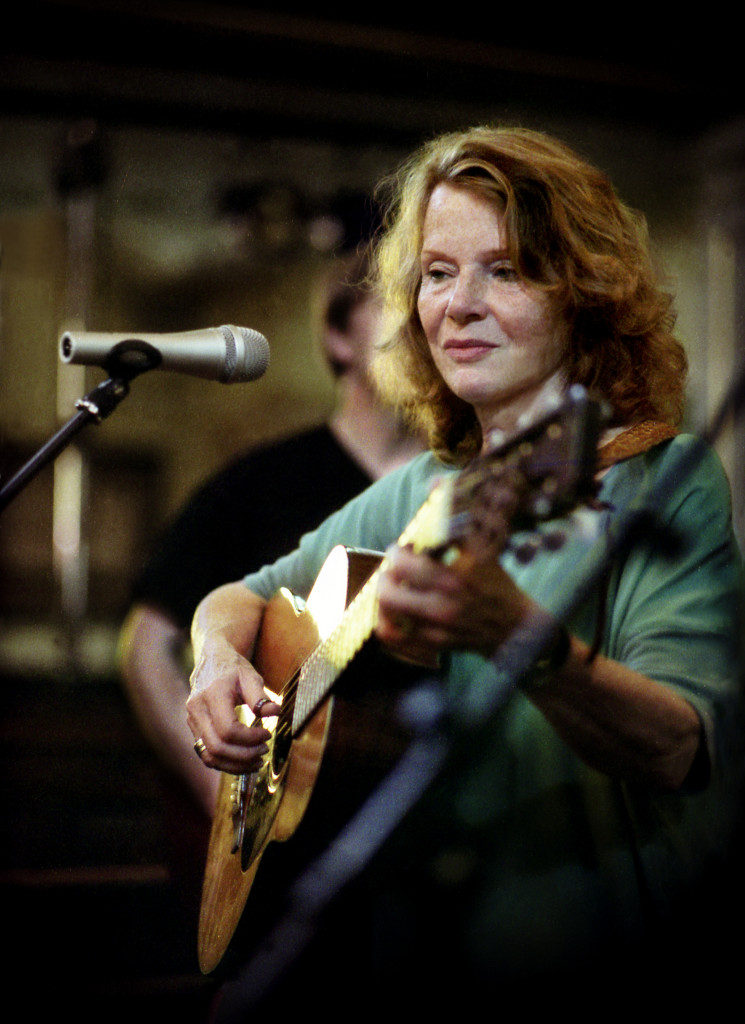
(129, 358)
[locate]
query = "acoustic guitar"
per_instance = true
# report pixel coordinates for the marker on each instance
(308, 786)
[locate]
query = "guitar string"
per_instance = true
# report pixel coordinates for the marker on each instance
(331, 656)
(326, 662)
(334, 653)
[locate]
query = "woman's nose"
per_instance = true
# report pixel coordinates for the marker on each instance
(467, 298)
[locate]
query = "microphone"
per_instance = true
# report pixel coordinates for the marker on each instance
(232, 355)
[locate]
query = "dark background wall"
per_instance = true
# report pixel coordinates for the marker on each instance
(171, 166)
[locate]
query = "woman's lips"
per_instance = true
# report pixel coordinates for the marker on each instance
(467, 348)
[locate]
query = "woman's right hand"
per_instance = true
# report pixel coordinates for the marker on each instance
(225, 624)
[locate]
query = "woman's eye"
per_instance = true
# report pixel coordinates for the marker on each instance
(504, 271)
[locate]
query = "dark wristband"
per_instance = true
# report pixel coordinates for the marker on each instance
(553, 658)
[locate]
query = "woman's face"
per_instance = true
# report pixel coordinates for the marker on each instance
(495, 340)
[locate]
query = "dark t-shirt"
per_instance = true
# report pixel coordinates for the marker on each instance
(249, 514)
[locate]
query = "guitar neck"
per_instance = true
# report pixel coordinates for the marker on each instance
(332, 656)
(321, 670)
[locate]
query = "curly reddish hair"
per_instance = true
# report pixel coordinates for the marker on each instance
(570, 235)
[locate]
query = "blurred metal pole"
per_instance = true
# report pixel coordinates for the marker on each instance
(79, 173)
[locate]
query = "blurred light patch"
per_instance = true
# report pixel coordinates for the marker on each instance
(68, 506)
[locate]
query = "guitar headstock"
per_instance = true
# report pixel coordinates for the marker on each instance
(540, 473)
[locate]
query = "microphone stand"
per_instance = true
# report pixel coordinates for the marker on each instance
(446, 737)
(95, 407)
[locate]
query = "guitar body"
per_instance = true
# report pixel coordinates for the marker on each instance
(266, 807)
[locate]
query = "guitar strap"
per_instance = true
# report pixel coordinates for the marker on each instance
(636, 439)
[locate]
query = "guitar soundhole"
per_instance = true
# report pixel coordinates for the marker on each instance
(282, 741)
(282, 737)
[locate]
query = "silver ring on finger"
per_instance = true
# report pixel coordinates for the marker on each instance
(259, 705)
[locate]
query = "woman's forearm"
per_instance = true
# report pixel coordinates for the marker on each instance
(620, 721)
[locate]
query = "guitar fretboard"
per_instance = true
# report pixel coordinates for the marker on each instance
(327, 662)
(428, 529)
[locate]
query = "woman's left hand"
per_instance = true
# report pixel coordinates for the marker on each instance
(426, 606)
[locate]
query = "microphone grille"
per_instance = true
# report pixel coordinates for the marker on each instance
(256, 354)
(231, 355)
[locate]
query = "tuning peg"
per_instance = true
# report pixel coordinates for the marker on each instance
(527, 550)
(541, 506)
(554, 540)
